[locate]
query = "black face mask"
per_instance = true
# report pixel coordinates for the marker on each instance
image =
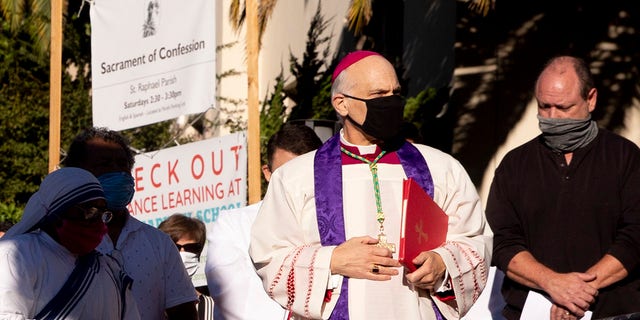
(384, 117)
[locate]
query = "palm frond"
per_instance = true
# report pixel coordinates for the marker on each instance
(40, 23)
(237, 13)
(359, 14)
(31, 16)
(265, 10)
(39, 29)
(43, 8)
(14, 12)
(482, 6)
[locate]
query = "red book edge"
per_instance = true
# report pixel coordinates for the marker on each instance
(411, 187)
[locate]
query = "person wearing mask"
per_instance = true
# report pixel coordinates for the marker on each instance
(48, 262)
(231, 277)
(565, 206)
(161, 285)
(324, 239)
(189, 235)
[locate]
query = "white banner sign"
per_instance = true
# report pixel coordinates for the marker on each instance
(198, 179)
(151, 60)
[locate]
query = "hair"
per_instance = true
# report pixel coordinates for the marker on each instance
(77, 153)
(342, 83)
(179, 225)
(579, 66)
(5, 225)
(295, 138)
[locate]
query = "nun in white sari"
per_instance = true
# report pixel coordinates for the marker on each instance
(48, 264)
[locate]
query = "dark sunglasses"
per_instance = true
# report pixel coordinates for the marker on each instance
(90, 213)
(190, 247)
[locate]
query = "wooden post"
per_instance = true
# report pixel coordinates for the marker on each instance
(55, 84)
(253, 48)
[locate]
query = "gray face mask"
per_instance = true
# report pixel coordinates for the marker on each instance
(567, 135)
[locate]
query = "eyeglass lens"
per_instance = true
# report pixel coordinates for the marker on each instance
(92, 213)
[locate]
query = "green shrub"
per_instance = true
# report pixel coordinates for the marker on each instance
(10, 212)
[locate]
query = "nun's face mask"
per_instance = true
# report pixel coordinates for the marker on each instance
(83, 227)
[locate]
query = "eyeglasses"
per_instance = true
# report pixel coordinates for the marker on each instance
(90, 213)
(368, 100)
(355, 98)
(190, 247)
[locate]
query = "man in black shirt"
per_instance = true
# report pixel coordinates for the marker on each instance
(565, 206)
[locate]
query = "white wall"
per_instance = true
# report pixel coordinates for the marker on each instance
(286, 32)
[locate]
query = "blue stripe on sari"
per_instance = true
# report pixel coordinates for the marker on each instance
(73, 289)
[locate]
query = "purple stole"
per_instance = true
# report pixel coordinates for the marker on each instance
(329, 207)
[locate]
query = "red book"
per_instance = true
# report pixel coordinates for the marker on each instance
(424, 225)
